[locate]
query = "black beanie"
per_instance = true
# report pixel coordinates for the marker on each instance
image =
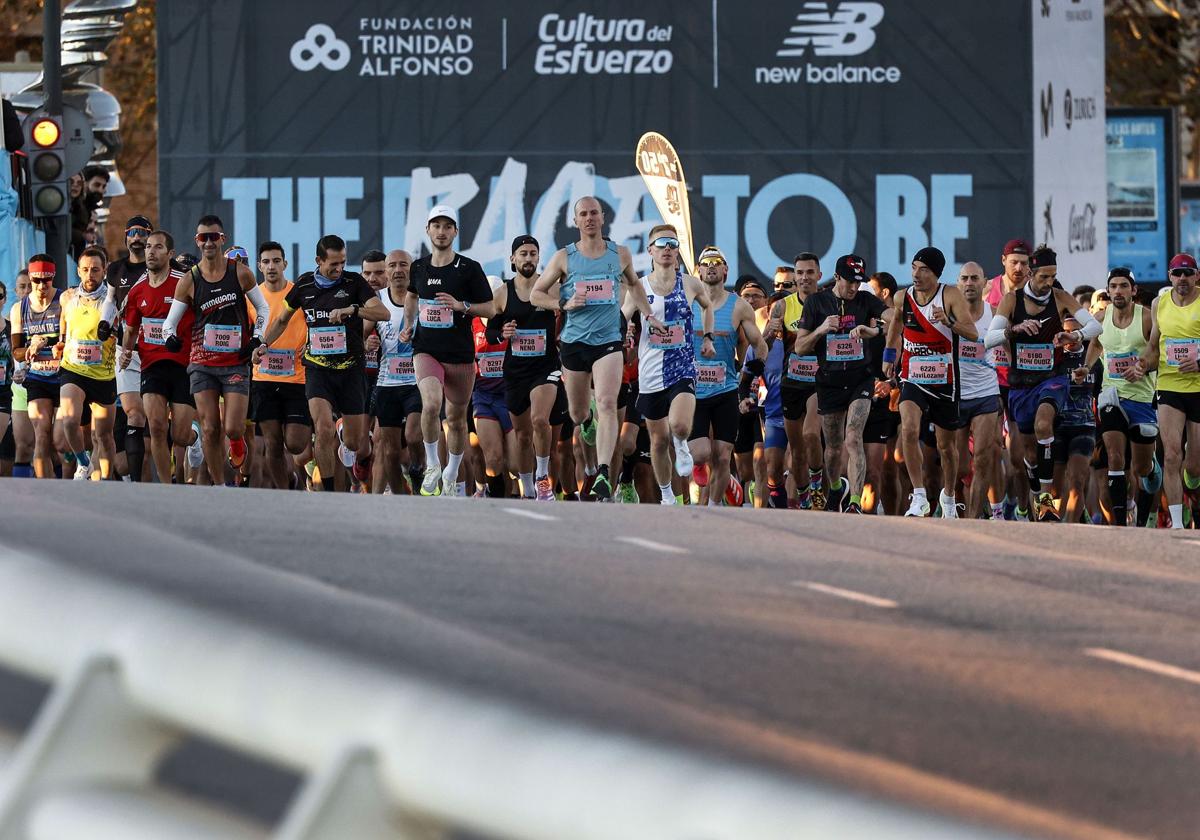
(933, 258)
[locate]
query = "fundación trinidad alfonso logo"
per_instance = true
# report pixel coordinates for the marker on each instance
(320, 46)
(846, 29)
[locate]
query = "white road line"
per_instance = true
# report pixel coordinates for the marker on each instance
(848, 594)
(652, 545)
(1154, 667)
(529, 514)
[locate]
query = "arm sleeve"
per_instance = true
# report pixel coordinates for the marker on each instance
(995, 333)
(1089, 327)
(108, 311)
(178, 310)
(262, 310)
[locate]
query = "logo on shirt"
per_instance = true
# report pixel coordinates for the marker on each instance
(433, 281)
(341, 293)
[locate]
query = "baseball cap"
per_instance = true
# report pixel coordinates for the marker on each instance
(851, 267)
(139, 222)
(523, 239)
(749, 280)
(443, 211)
(1182, 261)
(1121, 271)
(1016, 246)
(711, 252)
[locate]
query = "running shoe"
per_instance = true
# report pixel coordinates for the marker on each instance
(919, 506)
(545, 489)
(236, 460)
(854, 507)
(83, 472)
(601, 489)
(949, 508)
(670, 501)
(734, 495)
(587, 429)
(751, 489)
(700, 474)
(362, 470)
(1153, 483)
(777, 499)
(480, 493)
(431, 484)
(344, 454)
(1046, 511)
(195, 449)
(683, 461)
(1020, 515)
(627, 494)
(838, 495)
(817, 497)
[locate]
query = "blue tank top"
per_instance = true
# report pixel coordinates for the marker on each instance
(665, 359)
(43, 367)
(599, 322)
(773, 374)
(718, 375)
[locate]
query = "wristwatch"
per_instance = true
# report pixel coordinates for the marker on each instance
(708, 335)
(466, 306)
(354, 314)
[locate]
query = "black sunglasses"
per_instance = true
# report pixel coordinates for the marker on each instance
(1182, 272)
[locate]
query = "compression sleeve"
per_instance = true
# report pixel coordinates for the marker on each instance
(108, 312)
(995, 333)
(262, 310)
(1089, 327)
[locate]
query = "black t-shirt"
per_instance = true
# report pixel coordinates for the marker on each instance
(331, 346)
(838, 354)
(441, 332)
(121, 275)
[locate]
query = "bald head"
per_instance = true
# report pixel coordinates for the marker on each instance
(589, 217)
(971, 279)
(398, 263)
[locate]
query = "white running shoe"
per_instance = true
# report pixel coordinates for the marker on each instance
(83, 472)
(919, 506)
(669, 500)
(195, 449)
(949, 507)
(683, 461)
(431, 484)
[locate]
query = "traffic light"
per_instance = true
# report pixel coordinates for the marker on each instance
(46, 147)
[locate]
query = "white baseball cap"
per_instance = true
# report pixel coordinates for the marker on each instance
(443, 211)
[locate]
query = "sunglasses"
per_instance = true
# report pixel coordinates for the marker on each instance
(665, 242)
(42, 279)
(211, 236)
(1182, 272)
(142, 232)
(237, 254)
(786, 284)
(712, 261)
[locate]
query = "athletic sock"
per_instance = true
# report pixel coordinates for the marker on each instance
(1176, 516)
(1118, 495)
(1145, 501)
(543, 465)
(665, 489)
(920, 493)
(856, 499)
(1045, 463)
(82, 458)
(327, 485)
(627, 468)
(431, 455)
(453, 462)
(1190, 482)
(135, 450)
(528, 489)
(816, 478)
(23, 469)
(998, 510)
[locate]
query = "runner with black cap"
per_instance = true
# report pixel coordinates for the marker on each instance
(748, 456)
(1030, 321)
(930, 318)
(1173, 350)
(837, 326)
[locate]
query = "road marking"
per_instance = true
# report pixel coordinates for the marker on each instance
(652, 545)
(848, 594)
(529, 514)
(1154, 667)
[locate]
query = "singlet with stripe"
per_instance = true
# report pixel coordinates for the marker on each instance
(43, 367)
(717, 375)
(83, 351)
(1179, 339)
(666, 359)
(799, 371)
(395, 356)
(930, 354)
(1122, 347)
(599, 321)
(1034, 357)
(222, 325)
(533, 349)
(977, 365)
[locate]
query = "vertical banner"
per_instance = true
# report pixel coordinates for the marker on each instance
(1070, 213)
(1189, 218)
(1143, 206)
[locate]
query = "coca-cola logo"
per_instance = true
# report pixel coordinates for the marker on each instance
(1082, 237)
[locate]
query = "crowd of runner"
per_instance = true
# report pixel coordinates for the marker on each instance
(1004, 397)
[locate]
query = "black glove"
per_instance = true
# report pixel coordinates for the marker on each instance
(104, 331)
(253, 344)
(173, 344)
(756, 367)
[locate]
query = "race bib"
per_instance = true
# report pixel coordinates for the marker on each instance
(398, 370)
(1180, 350)
(86, 352)
(1000, 357)
(327, 341)
(221, 338)
(972, 352)
(597, 290)
(528, 343)
(278, 363)
(709, 376)
(435, 315)
(1035, 357)
(670, 337)
(372, 360)
(843, 348)
(491, 365)
(43, 360)
(1118, 363)
(929, 370)
(152, 331)
(802, 369)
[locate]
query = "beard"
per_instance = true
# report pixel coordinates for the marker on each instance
(527, 269)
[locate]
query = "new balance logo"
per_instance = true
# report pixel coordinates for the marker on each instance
(849, 29)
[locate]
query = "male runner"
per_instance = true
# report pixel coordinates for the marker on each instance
(1172, 351)
(1126, 406)
(979, 392)
(930, 318)
(1014, 260)
(836, 325)
(666, 357)
(278, 402)
(1030, 321)
(119, 279)
(36, 322)
(87, 375)
(164, 378)
(216, 290)
(715, 424)
(396, 403)
(334, 302)
(584, 280)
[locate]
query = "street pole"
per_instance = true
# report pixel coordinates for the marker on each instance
(58, 228)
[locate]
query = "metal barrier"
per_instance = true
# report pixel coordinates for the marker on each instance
(383, 755)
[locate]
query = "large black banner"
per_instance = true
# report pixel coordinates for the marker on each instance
(830, 127)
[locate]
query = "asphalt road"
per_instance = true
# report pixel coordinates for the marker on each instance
(1040, 677)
